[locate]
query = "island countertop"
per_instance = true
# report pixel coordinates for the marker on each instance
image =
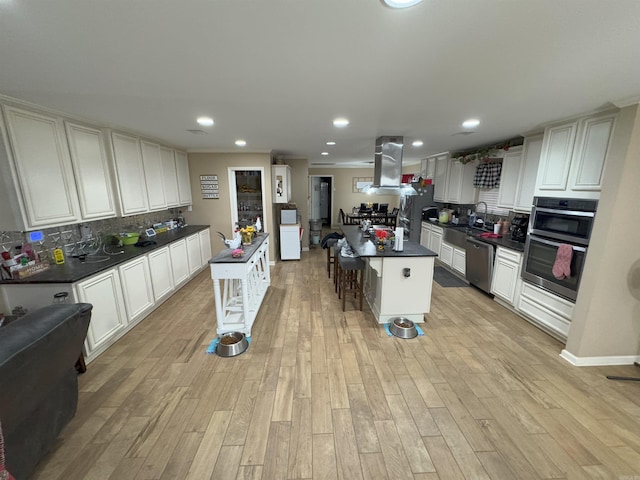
(364, 246)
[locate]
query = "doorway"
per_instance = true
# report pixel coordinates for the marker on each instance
(321, 198)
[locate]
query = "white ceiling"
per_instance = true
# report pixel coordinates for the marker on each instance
(277, 72)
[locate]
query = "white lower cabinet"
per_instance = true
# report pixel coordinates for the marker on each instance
(435, 239)
(446, 253)
(194, 256)
(136, 288)
(179, 261)
(205, 246)
(161, 273)
(546, 310)
(425, 234)
(459, 263)
(109, 317)
(506, 281)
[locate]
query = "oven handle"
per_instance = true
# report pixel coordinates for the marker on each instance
(566, 212)
(556, 244)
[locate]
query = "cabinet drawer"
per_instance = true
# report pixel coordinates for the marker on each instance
(508, 254)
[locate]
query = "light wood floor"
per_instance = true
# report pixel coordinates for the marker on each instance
(324, 394)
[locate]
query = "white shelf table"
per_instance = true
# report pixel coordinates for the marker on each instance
(239, 285)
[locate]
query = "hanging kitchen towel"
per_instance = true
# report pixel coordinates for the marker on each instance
(562, 266)
(487, 175)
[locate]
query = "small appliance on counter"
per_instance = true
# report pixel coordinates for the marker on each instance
(519, 226)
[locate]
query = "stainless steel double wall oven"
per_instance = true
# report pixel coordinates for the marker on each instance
(553, 222)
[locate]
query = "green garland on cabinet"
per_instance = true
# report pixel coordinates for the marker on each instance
(485, 152)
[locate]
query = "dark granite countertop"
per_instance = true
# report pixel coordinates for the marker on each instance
(225, 255)
(73, 270)
(504, 241)
(365, 247)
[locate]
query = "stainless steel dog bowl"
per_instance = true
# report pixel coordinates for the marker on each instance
(231, 344)
(403, 328)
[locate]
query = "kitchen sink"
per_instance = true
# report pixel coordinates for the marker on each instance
(458, 235)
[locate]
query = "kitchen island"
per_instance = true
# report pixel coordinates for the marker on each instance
(396, 284)
(240, 284)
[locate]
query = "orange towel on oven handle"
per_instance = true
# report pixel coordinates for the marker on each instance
(562, 265)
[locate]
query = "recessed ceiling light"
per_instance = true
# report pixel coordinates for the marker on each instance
(471, 123)
(340, 122)
(205, 121)
(325, 153)
(401, 3)
(417, 143)
(241, 143)
(331, 143)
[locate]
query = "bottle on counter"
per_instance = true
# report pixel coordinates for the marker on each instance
(58, 256)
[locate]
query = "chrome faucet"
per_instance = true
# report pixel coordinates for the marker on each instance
(484, 218)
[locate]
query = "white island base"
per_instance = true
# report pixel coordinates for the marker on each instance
(390, 293)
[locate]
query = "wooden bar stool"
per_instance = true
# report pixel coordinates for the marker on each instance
(349, 280)
(331, 242)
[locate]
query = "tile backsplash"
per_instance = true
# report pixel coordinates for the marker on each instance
(81, 237)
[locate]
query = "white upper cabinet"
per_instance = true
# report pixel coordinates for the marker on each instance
(170, 176)
(91, 171)
(43, 169)
(460, 187)
(510, 178)
(528, 172)
(281, 183)
(154, 180)
(573, 157)
(184, 181)
(130, 173)
(441, 176)
(592, 147)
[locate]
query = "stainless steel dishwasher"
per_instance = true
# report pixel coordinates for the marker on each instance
(479, 263)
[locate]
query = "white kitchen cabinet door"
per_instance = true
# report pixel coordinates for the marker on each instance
(510, 178)
(154, 179)
(184, 181)
(161, 273)
(592, 147)
(459, 262)
(194, 255)
(531, 151)
(441, 178)
(136, 288)
(435, 241)
(425, 235)
(179, 262)
(108, 317)
(555, 160)
(446, 253)
(460, 187)
(43, 167)
(169, 176)
(428, 168)
(91, 171)
(281, 183)
(205, 246)
(130, 174)
(506, 274)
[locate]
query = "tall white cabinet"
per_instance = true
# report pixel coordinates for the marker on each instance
(130, 173)
(153, 175)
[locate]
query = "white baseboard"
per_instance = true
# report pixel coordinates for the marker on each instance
(599, 361)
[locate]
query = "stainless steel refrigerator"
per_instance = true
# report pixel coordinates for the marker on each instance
(410, 215)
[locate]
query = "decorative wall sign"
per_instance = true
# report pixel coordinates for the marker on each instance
(209, 186)
(361, 182)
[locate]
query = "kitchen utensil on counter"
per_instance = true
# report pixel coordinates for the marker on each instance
(231, 344)
(129, 238)
(444, 216)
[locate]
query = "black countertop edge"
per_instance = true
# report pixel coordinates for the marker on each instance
(225, 255)
(365, 247)
(505, 241)
(73, 270)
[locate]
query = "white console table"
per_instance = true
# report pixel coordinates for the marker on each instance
(239, 285)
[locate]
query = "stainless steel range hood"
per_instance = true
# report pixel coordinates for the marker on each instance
(387, 172)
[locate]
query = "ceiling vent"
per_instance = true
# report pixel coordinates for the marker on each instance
(323, 163)
(462, 133)
(197, 132)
